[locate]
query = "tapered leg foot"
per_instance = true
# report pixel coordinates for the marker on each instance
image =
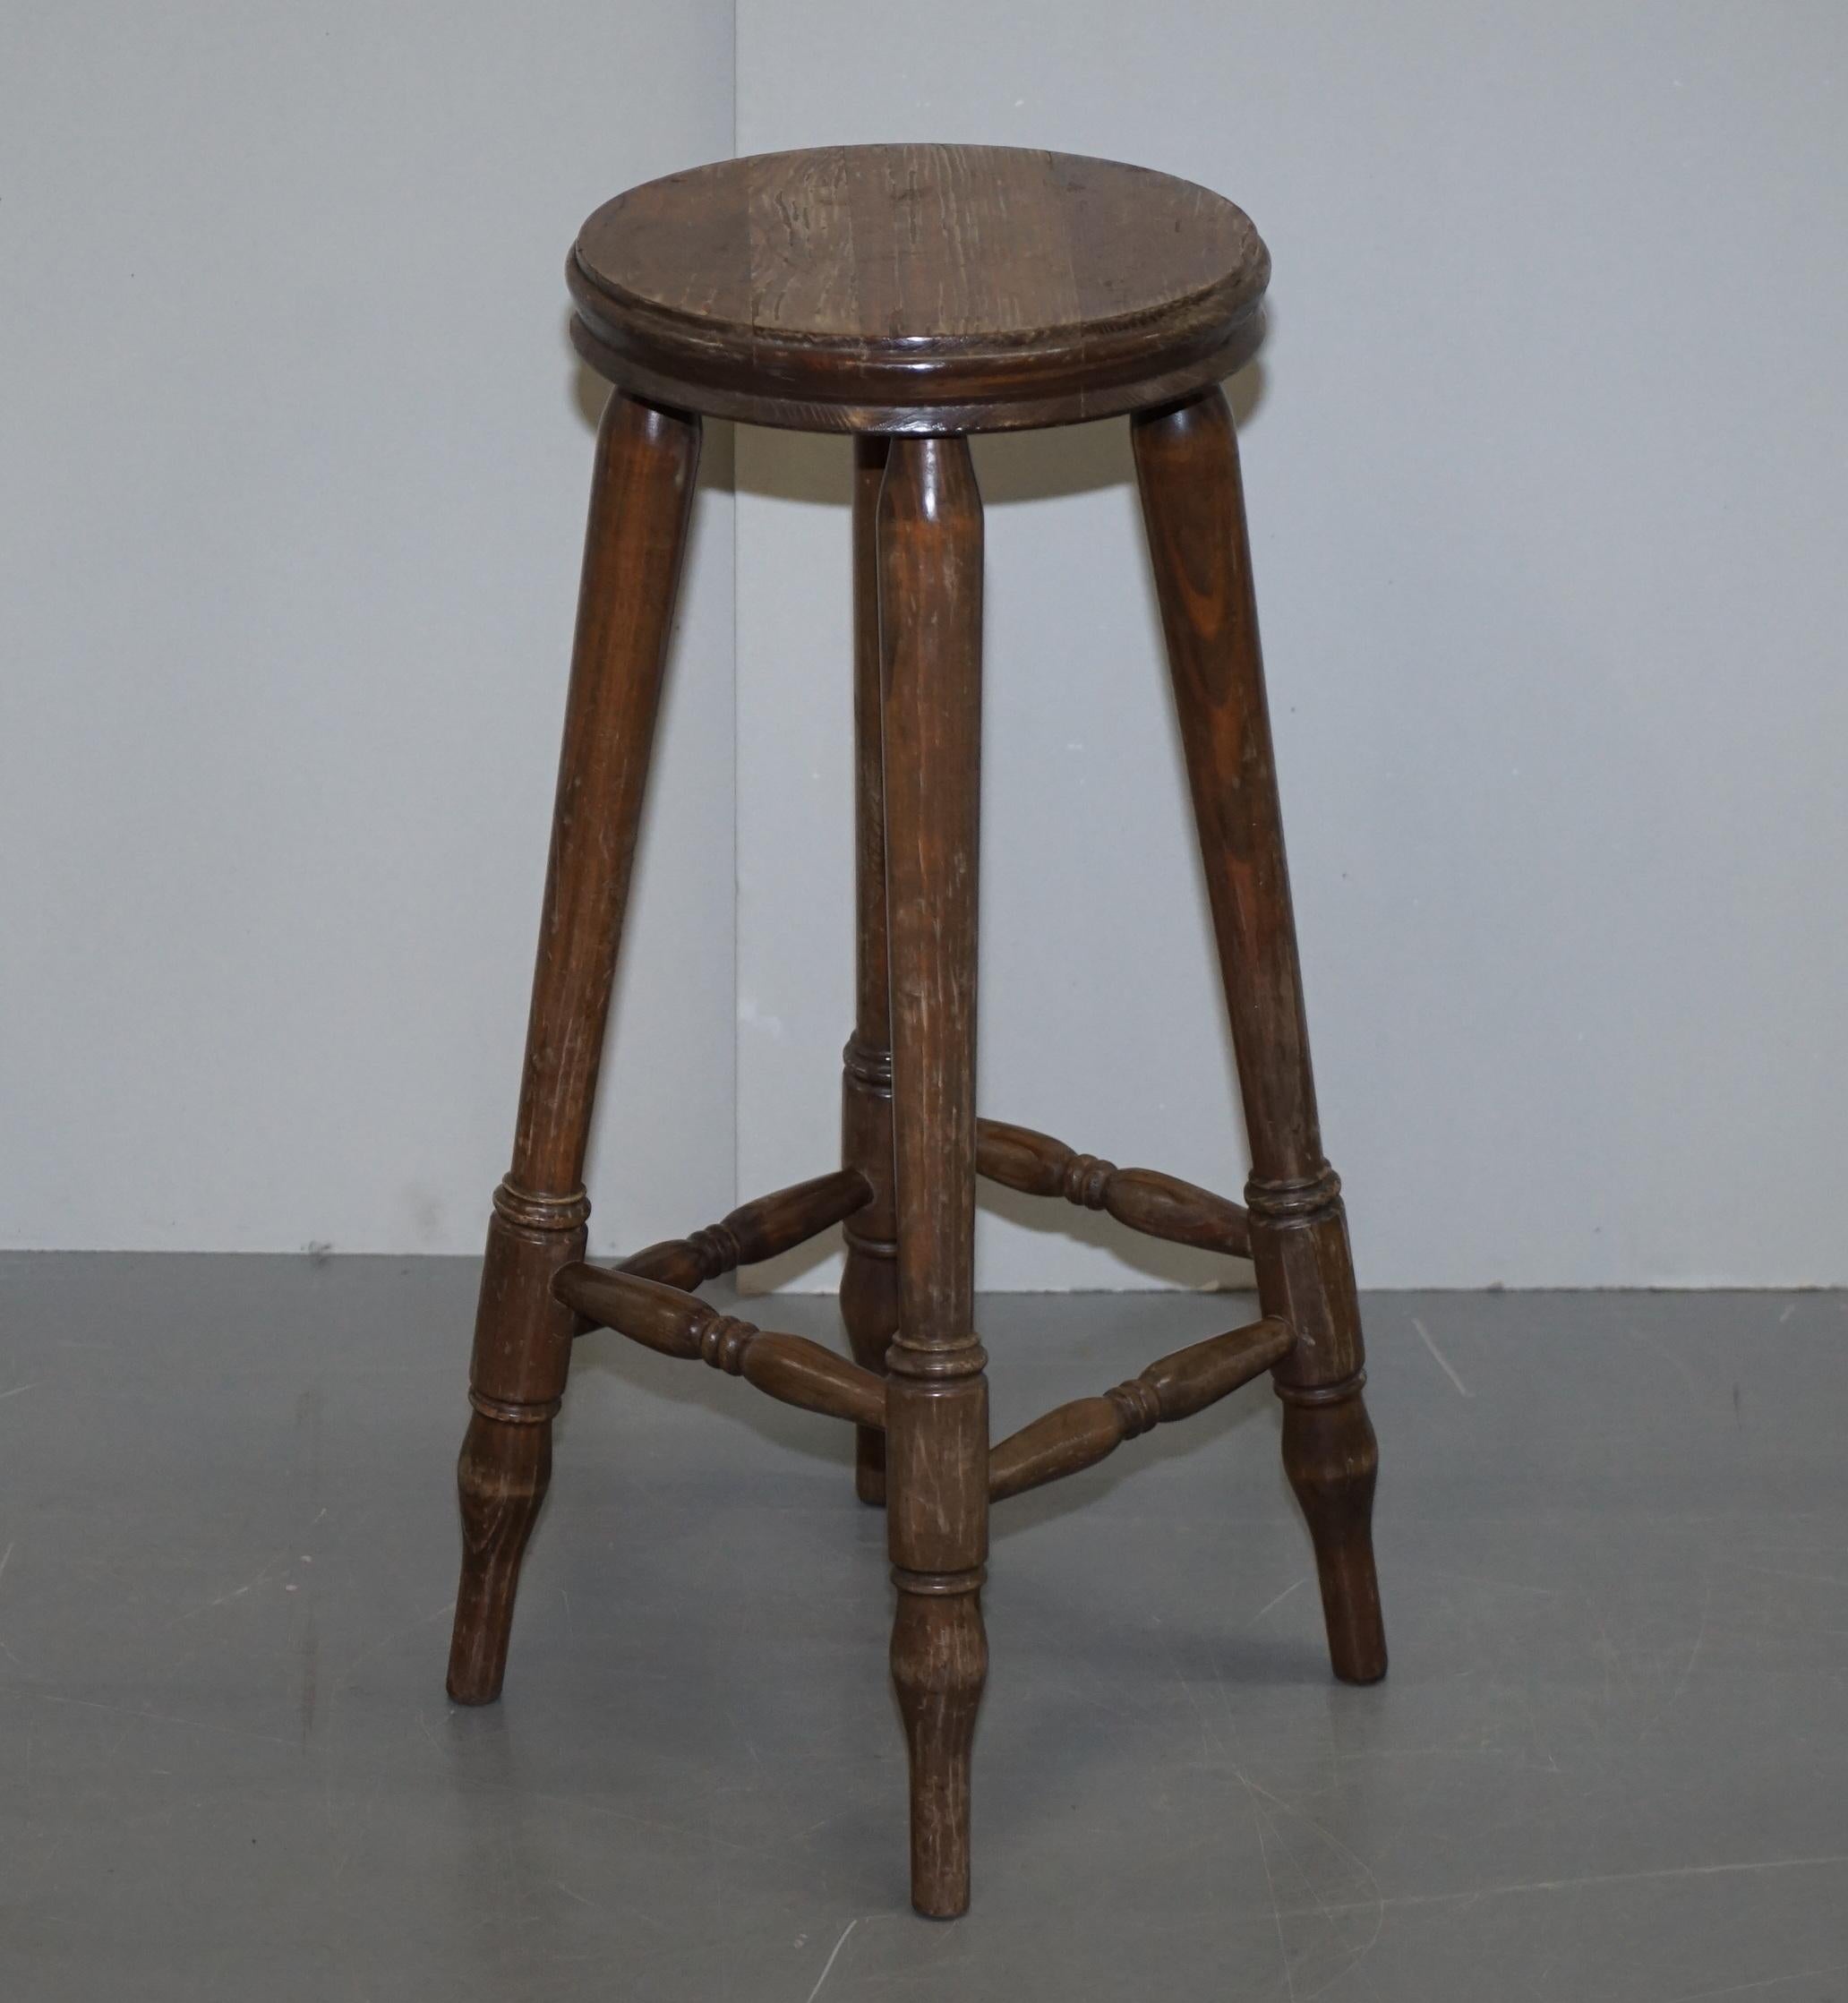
(939, 1664)
(1305, 1277)
(504, 1475)
(522, 1354)
(936, 1399)
(640, 498)
(1194, 504)
(1332, 1461)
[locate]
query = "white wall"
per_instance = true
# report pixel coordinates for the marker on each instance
(293, 461)
(1548, 459)
(1546, 455)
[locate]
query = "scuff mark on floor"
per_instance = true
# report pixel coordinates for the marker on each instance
(827, 1966)
(1444, 1362)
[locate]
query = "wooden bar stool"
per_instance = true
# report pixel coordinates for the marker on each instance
(909, 296)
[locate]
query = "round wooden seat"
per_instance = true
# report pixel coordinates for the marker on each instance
(917, 288)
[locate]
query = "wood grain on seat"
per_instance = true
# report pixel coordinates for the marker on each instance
(918, 288)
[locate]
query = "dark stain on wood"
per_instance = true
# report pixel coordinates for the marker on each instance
(911, 295)
(918, 288)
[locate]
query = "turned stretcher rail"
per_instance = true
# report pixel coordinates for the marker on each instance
(1080, 1434)
(764, 1228)
(1157, 1205)
(660, 1317)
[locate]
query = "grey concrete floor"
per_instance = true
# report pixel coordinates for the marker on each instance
(1611, 1760)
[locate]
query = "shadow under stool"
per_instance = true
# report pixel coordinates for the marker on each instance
(908, 297)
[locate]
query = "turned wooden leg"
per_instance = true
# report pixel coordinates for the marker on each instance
(869, 1284)
(930, 559)
(640, 498)
(1187, 470)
